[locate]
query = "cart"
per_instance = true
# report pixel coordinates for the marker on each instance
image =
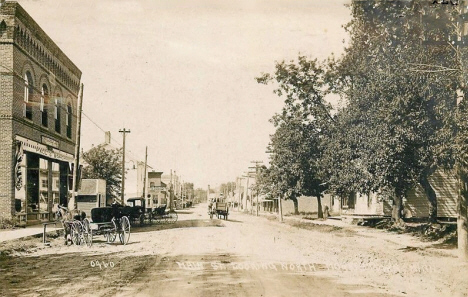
(162, 216)
(219, 208)
(136, 211)
(111, 223)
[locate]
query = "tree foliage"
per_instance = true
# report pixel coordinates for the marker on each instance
(398, 79)
(300, 126)
(105, 164)
(401, 99)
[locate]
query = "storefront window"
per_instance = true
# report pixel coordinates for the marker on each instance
(44, 188)
(56, 183)
(32, 182)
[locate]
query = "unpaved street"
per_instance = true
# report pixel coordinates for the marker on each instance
(244, 256)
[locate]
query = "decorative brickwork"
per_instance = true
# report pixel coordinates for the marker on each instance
(26, 48)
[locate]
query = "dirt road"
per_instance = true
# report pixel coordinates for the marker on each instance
(245, 256)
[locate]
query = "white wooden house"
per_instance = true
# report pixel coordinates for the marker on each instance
(416, 204)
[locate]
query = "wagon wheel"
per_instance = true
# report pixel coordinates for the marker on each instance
(124, 232)
(75, 232)
(112, 232)
(88, 233)
(81, 232)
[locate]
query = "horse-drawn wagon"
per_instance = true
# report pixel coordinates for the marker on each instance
(218, 207)
(137, 212)
(110, 222)
(162, 215)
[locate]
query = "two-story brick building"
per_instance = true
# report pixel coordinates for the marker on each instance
(39, 87)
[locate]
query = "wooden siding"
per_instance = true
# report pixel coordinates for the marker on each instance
(371, 204)
(417, 203)
(445, 184)
(446, 187)
(306, 204)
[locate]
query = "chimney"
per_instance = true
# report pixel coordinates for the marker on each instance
(107, 139)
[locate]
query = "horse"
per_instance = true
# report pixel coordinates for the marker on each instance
(64, 215)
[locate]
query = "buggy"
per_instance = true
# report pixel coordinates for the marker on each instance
(110, 222)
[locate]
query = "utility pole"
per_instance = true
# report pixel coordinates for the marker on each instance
(182, 193)
(239, 201)
(247, 192)
(170, 194)
(256, 183)
(144, 176)
(76, 160)
(124, 131)
(175, 185)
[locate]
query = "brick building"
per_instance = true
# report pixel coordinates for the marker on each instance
(39, 87)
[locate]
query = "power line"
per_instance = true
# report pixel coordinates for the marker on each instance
(49, 104)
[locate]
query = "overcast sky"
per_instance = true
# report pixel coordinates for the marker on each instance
(181, 74)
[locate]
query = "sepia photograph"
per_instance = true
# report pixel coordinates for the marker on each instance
(211, 148)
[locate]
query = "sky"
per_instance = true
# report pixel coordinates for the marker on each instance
(180, 74)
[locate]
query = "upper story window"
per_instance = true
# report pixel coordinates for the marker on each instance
(57, 113)
(28, 95)
(44, 103)
(69, 120)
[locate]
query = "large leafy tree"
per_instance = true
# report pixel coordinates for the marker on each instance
(400, 95)
(105, 164)
(300, 126)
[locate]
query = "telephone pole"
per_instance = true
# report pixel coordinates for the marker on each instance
(171, 190)
(239, 200)
(144, 176)
(256, 183)
(124, 131)
(76, 161)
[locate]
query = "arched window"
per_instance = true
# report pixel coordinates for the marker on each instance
(69, 120)
(28, 93)
(57, 113)
(44, 103)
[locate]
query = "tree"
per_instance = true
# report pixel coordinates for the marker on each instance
(105, 164)
(303, 122)
(402, 96)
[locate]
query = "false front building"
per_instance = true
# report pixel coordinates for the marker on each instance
(39, 87)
